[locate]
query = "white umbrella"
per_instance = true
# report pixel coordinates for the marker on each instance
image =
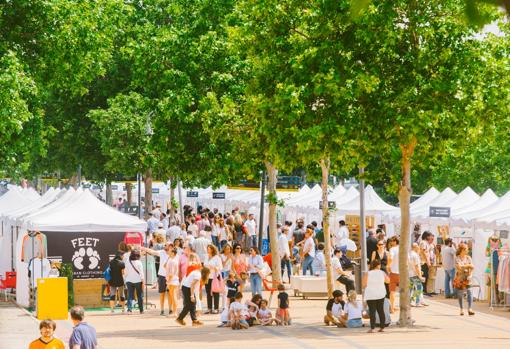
(349, 244)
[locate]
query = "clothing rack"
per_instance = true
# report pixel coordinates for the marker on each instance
(493, 283)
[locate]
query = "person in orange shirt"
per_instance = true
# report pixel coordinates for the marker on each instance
(47, 340)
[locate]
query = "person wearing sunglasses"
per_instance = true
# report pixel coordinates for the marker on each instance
(380, 255)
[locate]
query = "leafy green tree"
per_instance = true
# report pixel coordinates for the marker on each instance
(434, 85)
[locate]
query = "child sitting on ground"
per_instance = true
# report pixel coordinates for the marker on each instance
(264, 315)
(238, 313)
(283, 306)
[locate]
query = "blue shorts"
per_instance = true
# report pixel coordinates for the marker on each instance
(354, 323)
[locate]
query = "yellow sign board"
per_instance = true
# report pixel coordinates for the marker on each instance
(52, 298)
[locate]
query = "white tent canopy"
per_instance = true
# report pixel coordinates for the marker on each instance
(425, 199)
(497, 210)
(462, 215)
(15, 198)
(85, 213)
(465, 198)
(442, 200)
(373, 204)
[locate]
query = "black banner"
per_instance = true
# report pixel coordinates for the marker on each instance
(443, 212)
(192, 194)
(88, 252)
(218, 195)
(331, 205)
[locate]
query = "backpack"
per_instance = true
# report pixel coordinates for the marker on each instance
(107, 273)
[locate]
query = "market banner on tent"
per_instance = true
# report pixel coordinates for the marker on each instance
(89, 252)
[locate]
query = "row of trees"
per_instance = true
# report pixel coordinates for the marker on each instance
(213, 91)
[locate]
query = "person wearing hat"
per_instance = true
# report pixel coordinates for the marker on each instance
(334, 309)
(160, 231)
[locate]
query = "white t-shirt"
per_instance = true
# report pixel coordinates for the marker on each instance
(375, 285)
(194, 275)
(283, 245)
(335, 265)
(200, 247)
(353, 312)
(193, 228)
(131, 275)
(251, 226)
(310, 244)
(414, 260)
(215, 265)
(336, 309)
(343, 232)
(236, 306)
(163, 257)
(394, 259)
(174, 232)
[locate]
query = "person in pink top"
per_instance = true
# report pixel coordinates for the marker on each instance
(184, 261)
(172, 278)
(240, 265)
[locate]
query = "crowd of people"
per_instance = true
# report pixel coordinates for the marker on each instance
(210, 259)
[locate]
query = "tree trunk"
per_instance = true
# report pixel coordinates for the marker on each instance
(325, 166)
(273, 235)
(404, 197)
(147, 180)
(172, 199)
(129, 191)
(109, 194)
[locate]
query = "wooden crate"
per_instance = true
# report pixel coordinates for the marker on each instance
(87, 293)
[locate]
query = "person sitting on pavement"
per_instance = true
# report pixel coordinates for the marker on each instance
(353, 310)
(47, 340)
(334, 309)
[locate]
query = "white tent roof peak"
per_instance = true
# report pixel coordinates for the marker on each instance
(427, 197)
(86, 213)
(373, 203)
(14, 199)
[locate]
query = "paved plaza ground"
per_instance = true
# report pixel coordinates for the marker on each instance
(437, 326)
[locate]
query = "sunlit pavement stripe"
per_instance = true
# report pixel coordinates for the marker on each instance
(334, 336)
(287, 338)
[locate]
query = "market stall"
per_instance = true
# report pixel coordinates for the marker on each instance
(78, 229)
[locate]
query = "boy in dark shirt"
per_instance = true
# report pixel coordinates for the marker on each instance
(283, 305)
(334, 309)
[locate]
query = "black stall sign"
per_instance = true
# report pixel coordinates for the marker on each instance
(218, 195)
(192, 194)
(331, 205)
(441, 212)
(89, 252)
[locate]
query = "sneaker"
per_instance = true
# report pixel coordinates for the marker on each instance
(215, 312)
(180, 322)
(197, 323)
(209, 311)
(170, 312)
(162, 313)
(471, 312)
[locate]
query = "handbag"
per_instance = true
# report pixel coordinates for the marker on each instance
(459, 283)
(218, 284)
